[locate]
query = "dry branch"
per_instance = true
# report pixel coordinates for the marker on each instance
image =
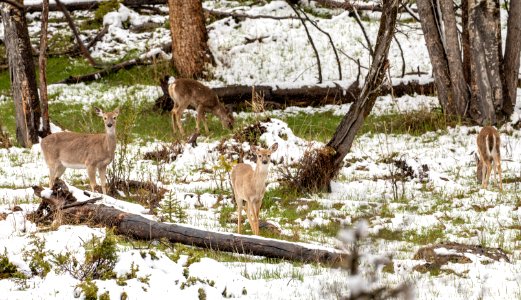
(42, 62)
(91, 5)
(139, 227)
(84, 51)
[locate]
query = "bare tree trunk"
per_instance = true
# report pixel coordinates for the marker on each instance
(511, 60)
(329, 160)
(22, 74)
(486, 84)
(440, 65)
(189, 37)
(460, 91)
(42, 61)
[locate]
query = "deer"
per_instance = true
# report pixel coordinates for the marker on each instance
(89, 151)
(489, 144)
(249, 186)
(188, 92)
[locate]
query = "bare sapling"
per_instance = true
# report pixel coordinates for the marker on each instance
(249, 186)
(74, 150)
(489, 145)
(188, 92)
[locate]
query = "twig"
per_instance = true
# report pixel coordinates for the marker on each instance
(403, 57)
(98, 37)
(413, 14)
(330, 41)
(359, 21)
(310, 41)
(83, 49)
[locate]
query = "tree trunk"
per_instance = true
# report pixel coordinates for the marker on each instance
(511, 60)
(460, 91)
(475, 80)
(329, 160)
(42, 62)
(189, 38)
(440, 65)
(22, 74)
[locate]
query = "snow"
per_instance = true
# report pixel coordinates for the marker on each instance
(282, 58)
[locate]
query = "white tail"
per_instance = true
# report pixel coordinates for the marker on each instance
(249, 186)
(489, 145)
(93, 152)
(188, 92)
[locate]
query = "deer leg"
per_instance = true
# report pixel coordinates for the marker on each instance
(173, 113)
(91, 171)
(239, 212)
(52, 172)
(200, 116)
(484, 175)
(497, 163)
(251, 217)
(179, 114)
(489, 170)
(102, 172)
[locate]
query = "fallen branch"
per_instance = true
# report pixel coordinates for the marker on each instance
(91, 5)
(240, 16)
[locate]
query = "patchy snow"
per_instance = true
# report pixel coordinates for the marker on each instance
(446, 202)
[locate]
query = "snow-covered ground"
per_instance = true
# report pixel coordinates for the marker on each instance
(444, 202)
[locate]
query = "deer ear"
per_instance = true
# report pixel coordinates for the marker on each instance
(274, 147)
(98, 111)
(116, 112)
(253, 148)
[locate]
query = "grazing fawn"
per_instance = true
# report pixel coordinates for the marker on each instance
(188, 92)
(93, 152)
(249, 186)
(489, 145)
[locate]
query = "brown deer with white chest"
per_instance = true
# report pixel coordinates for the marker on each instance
(250, 185)
(188, 92)
(489, 145)
(74, 150)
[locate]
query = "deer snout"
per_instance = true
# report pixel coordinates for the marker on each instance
(109, 125)
(265, 161)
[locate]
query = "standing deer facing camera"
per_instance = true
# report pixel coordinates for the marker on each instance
(188, 92)
(249, 186)
(489, 145)
(93, 152)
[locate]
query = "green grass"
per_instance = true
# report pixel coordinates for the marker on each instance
(318, 126)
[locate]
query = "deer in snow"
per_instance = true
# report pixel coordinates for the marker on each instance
(188, 92)
(74, 150)
(250, 185)
(489, 144)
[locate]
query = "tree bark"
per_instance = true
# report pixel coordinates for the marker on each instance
(189, 37)
(42, 61)
(511, 60)
(486, 78)
(139, 227)
(459, 87)
(440, 65)
(22, 74)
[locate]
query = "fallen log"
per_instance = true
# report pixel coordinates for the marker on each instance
(139, 227)
(235, 95)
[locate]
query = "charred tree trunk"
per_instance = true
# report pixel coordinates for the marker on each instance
(42, 62)
(329, 160)
(22, 74)
(189, 37)
(511, 60)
